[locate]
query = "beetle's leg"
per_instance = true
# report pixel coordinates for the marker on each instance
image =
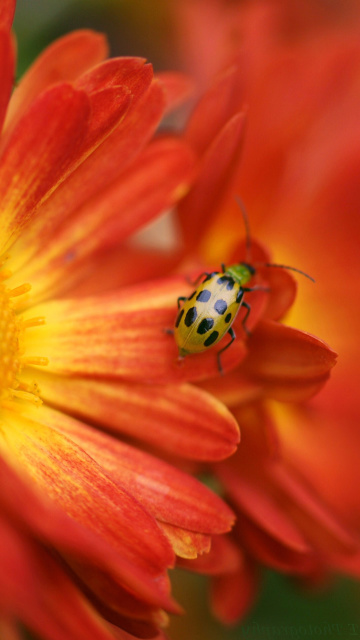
(223, 268)
(204, 273)
(169, 332)
(243, 322)
(231, 332)
(258, 287)
(180, 299)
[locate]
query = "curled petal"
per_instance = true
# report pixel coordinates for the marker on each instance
(177, 418)
(280, 358)
(64, 60)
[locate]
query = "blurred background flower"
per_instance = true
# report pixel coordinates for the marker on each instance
(296, 67)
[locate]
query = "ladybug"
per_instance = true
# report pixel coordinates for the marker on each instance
(209, 312)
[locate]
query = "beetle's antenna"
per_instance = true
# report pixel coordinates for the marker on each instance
(247, 228)
(285, 266)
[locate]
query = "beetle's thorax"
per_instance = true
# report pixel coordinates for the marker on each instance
(241, 273)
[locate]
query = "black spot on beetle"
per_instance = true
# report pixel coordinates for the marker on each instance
(178, 319)
(229, 282)
(211, 339)
(239, 296)
(204, 296)
(205, 325)
(228, 317)
(220, 306)
(191, 316)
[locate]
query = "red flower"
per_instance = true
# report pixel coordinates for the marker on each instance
(89, 525)
(297, 71)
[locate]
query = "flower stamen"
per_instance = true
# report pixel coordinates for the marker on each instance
(12, 358)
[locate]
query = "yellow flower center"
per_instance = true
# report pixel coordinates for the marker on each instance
(12, 357)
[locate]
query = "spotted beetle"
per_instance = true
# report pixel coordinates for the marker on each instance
(209, 312)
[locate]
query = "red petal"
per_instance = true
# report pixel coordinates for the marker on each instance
(7, 65)
(125, 337)
(318, 521)
(169, 494)
(177, 88)
(223, 557)
(149, 187)
(104, 165)
(51, 135)
(186, 544)
(233, 594)
(164, 416)
(34, 587)
(53, 527)
(7, 10)
(217, 170)
(218, 105)
(271, 551)
(64, 60)
(289, 363)
(79, 486)
(259, 505)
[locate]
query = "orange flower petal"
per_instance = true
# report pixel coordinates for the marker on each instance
(233, 594)
(7, 66)
(7, 10)
(288, 363)
(53, 527)
(167, 493)
(79, 485)
(177, 88)
(258, 505)
(186, 544)
(103, 166)
(146, 189)
(319, 522)
(59, 110)
(34, 587)
(177, 418)
(219, 104)
(64, 60)
(271, 551)
(125, 337)
(55, 130)
(217, 170)
(223, 557)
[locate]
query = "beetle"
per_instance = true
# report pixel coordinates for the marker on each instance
(208, 314)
